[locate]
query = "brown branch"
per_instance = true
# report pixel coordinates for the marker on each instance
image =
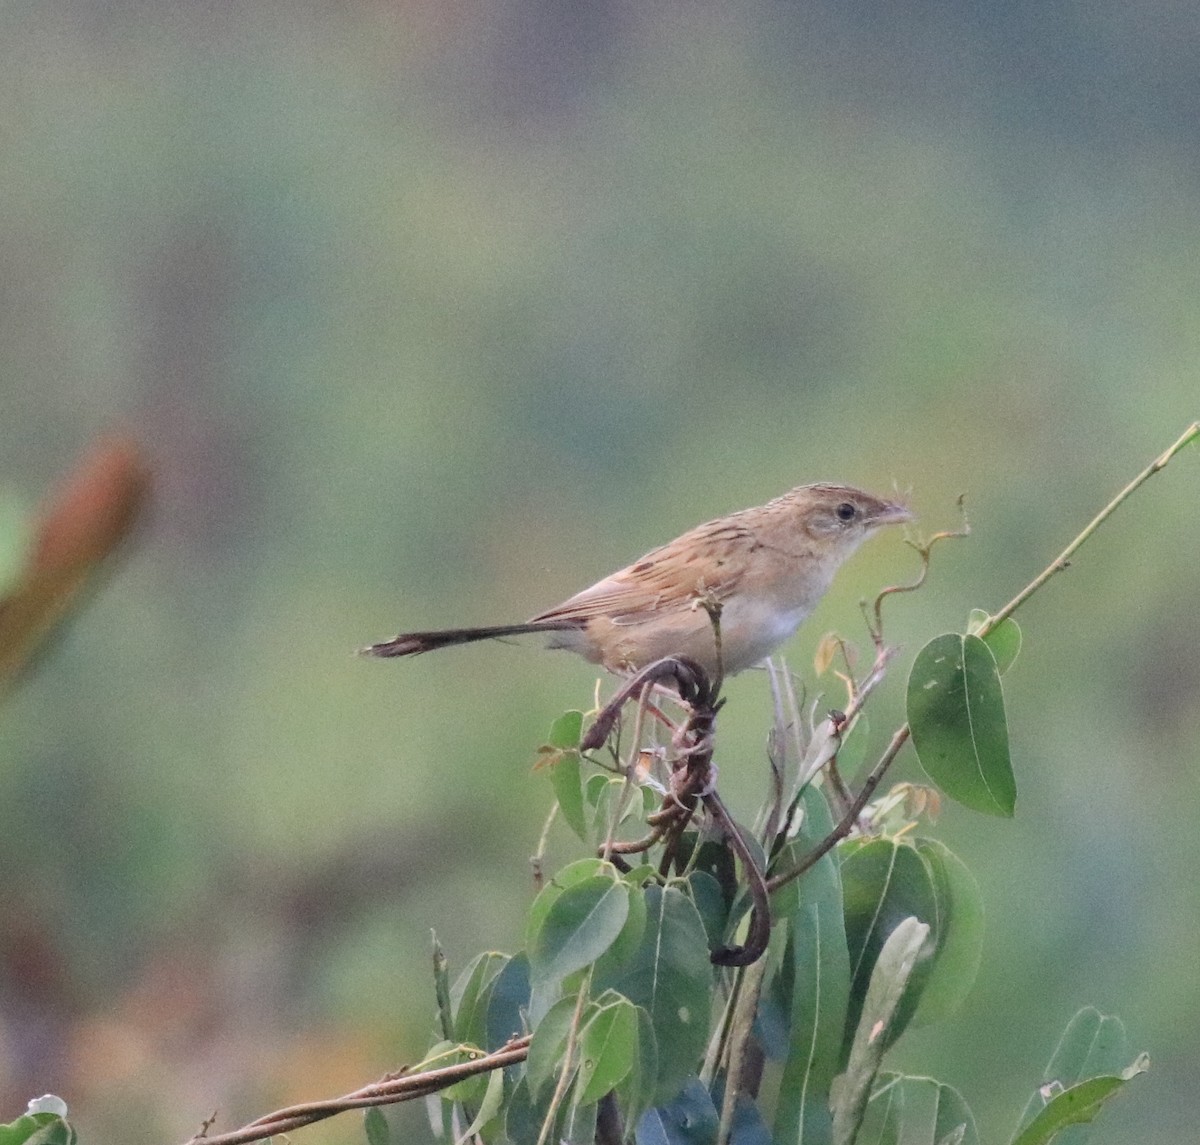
(405, 1087)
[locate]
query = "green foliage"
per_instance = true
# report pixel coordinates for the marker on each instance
(890, 975)
(45, 1124)
(956, 712)
(1088, 1066)
(376, 1128)
(618, 990)
(1067, 1109)
(885, 882)
(959, 932)
(920, 1108)
(819, 985)
(1004, 639)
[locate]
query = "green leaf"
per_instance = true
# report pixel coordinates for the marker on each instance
(38, 1129)
(690, 1118)
(1004, 640)
(820, 983)
(560, 754)
(884, 1116)
(548, 1045)
(578, 1126)
(854, 746)
(959, 933)
(956, 713)
(445, 1054)
(885, 881)
(544, 992)
(626, 943)
(636, 1092)
(1092, 1045)
(748, 1126)
(916, 1109)
(670, 976)
(441, 990)
(607, 1047)
(522, 1119)
(889, 981)
(615, 798)
(596, 785)
(582, 923)
(470, 997)
(566, 731)
(712, 857)
(637, 877)
(570, 875)
(377, 1129)
(709, 901)
(953, 1121)
(1077, 1105)
(508, 1002)
(567, 783)
(490, 1106)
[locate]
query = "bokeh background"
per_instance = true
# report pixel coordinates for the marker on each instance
(434, 312)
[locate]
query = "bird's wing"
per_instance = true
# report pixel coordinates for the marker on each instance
(707, 562)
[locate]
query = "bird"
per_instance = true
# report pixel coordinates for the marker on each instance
(756, 573)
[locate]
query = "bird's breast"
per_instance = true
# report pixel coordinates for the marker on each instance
(752, 628)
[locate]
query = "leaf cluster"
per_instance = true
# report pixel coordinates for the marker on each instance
(638, 1033)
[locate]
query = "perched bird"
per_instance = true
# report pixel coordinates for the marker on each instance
(765, 567)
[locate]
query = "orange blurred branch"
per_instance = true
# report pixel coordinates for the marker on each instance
(77, 528)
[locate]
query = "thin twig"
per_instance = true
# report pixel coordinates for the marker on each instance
(738, 1079)
(776, 758)
(1192, 433)
(635, 846)
(566, 1072)
(396, 1089)
(849, 819)
(536, 859)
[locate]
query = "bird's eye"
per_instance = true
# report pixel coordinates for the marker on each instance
(846, 511)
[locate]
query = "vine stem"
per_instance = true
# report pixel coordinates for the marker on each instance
(404, 1087)
(1060, 562)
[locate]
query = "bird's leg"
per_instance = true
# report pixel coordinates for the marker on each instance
(656, 710)
(688, 676)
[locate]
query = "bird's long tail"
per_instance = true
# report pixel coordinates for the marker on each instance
(413, 643)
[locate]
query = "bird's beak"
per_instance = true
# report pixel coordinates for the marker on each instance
(893, 513)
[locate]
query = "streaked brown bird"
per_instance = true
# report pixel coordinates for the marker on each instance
(766, 568)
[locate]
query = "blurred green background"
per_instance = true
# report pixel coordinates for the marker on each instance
(432, 313)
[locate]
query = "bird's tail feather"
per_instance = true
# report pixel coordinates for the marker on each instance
(413, 643)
